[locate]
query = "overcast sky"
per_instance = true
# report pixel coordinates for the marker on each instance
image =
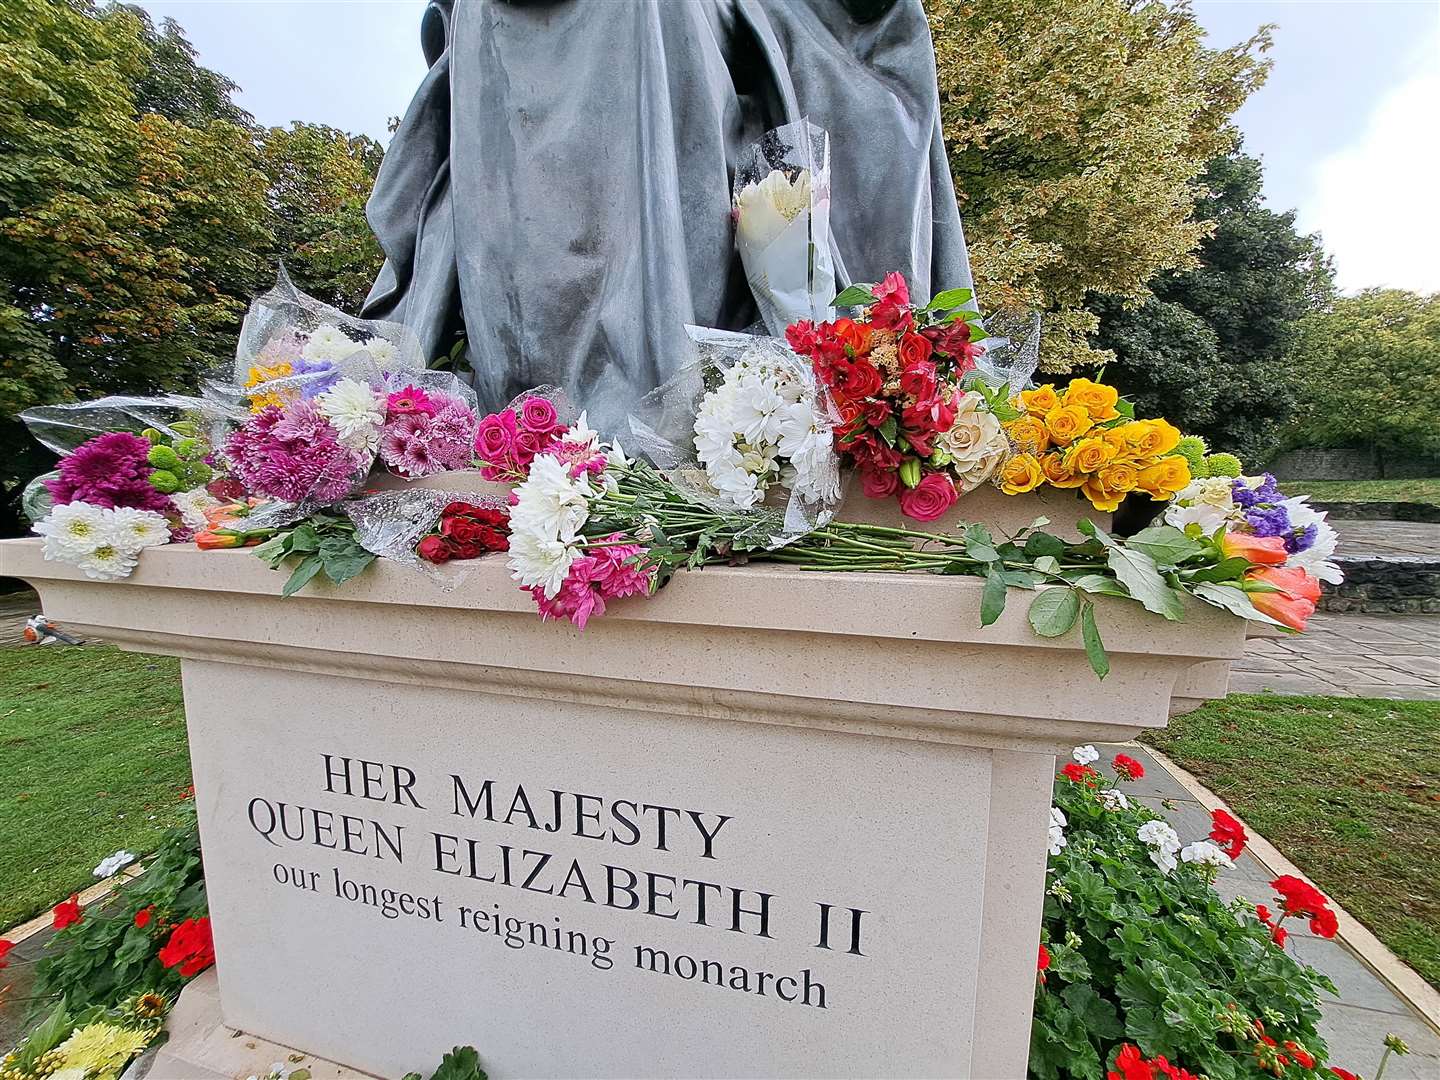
(1346, 124)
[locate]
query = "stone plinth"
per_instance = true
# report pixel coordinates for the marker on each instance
(768, 822)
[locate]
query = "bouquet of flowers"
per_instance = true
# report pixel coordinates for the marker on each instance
(896, 374)
(782, 224)
(428, 431)
(1086, 437)
(1288, 530)
(466, 531)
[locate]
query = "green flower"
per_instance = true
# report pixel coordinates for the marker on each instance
(1221, 465)
(102, 1050)
(164, 481)
(162, 457)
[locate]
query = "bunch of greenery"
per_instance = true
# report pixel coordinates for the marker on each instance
(1159, 960)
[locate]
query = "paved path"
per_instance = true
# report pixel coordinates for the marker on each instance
(1352, 1025)
(1388, 537)
(1386, 656)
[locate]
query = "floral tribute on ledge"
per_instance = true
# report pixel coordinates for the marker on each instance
(292, 456)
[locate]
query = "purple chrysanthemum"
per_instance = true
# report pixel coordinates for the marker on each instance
(108, 471)
(293, 455)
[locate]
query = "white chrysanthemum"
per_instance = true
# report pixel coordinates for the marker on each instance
(355, 411)
(757, 408)
(1057, 831)
(551, 504)
(135, 530)
(1113, 800)
(1206, 854)
(767, 207)
(382, 351)
(108, 562)
(1084, 755)
(111, 863)
(537, 561)
(73, 531)
(192, 504)
(581, 433)
(1316, 558)
(328, 342)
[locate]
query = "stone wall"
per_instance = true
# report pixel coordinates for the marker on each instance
(1380, 583)
(1364, 464)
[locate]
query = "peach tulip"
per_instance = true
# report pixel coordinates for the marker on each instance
(1294, 602)
(1262, 550)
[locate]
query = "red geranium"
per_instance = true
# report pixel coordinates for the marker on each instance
(67, 912)
(6, 946)
(1343, 1074)
(190, 947)
(1301, 899)
(1127, 768)
(1130, 1064)
(144, 915)
(1228, 833)
(1044, 961)
(1080, 774)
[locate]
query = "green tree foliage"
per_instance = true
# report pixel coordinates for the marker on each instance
(1076, 130)
(319, 179)
(1368, 373)
(1210, 349)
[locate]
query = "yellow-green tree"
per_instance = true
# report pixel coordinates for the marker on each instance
(1076, 130)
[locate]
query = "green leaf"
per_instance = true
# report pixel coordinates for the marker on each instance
(462, 1063)
(1047, 564)
(1053, 611)
(950, 298)
(1165, 544)
(855, 296)
(979, 545)
(1225, 570)
(1042, 543)
(992, 598)
(889, 429)
(308, 568)
(304, 539)
(1143, 581)
(273, 550)
(343, 566)
(1234, 601)
(1094, 647)
(1101, 585)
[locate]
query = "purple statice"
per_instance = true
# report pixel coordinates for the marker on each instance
(1267, 492)
(293, 455)
(1301, 539)
(1268, 520)
(319, 375)
(110, 470)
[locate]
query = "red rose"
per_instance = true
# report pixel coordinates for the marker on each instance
(460, 509)
(462, 529)
(144, 915)
(493, 539)
(466, 550)
(495, 516)
(1127, 768)
(801, 337)
(434, 549)
(879, 483)
(918, 380)
(1228, 833)
(859, 380)
(67, 912)
(914, 349)
(928, 499)
(892, 287)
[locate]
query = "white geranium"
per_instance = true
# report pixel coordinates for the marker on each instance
(136, 530)
(1113, 800)
(112, 863)
(328, 342)
(191, 506)
(1204, 853)
(1084, 755)
(1163, 842)
(1057, 831)
(73, 531)
(355, 411)
(108, 562)
(1316, 558)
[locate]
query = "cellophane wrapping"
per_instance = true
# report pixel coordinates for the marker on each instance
(745, 429)
(781, 204)
(391, 523)
(1012, 349)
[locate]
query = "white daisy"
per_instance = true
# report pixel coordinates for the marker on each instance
(135, 530)
(73, 530)
(108, 562)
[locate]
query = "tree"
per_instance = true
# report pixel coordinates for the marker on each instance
(1209, 349)
(1368, 373)
(319, 179)
(1075, 130)
(129, 241)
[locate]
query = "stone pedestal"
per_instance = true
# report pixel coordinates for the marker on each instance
(767, 823)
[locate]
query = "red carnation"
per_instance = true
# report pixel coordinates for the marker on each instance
(190, 947)
(144, 915)
(1228, 833)
(67, 912)
(1127, 768)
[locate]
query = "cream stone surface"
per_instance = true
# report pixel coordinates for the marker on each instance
(840, 743)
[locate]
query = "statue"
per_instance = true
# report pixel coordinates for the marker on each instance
(560, 185)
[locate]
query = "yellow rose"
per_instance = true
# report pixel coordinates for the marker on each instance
(1029, 434)
(1021, 474)
(1120, 476)
(1095, 398)
(1100, 496)
(1066, 423)
(1115, 436)
(1089, 455)
(1151, 438)
(1057, 473)
(1164, 478)
(1040, 400)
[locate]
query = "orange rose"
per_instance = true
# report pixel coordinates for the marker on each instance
(1021, 474)
(1057, 473)
(1089, 455)
(1262, 550)
(1029, 433)
(914, 349)
(853, 335)
(1040, 400)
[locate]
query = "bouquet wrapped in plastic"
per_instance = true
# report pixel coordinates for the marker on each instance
(746, 427)
(782, 224)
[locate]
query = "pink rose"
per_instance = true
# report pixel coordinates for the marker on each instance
(879, 484)
(495, 437)
(928, 499)
(537, 414)
(527, 446)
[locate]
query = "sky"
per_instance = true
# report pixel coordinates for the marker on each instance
(1345, 124)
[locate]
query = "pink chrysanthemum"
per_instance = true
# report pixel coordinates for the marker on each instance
(293, 455)
(110, 470)
(601, 574)
(417, 443)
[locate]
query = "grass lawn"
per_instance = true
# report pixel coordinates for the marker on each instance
(1347, 788)
(93, 755)
(1422, 490)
